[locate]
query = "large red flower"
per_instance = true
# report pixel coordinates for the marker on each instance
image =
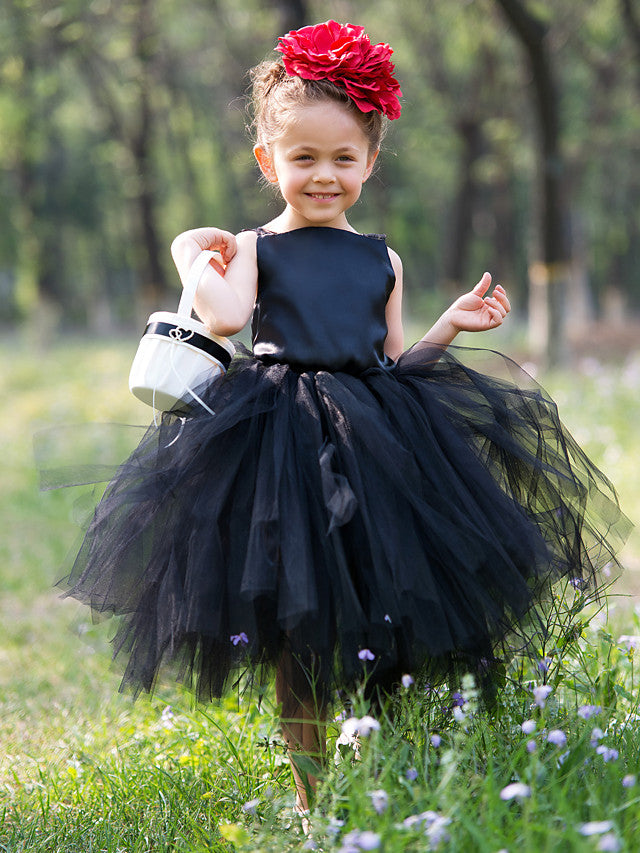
(344, 55)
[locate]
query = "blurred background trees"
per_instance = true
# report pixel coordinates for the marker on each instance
(122, 123)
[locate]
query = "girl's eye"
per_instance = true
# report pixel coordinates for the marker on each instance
(303, 157)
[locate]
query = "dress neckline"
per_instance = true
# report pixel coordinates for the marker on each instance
(261, 230)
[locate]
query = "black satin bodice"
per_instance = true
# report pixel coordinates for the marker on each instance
(322, 295)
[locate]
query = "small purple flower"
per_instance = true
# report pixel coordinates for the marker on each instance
(250, 806)
(335, 826)
(578, 583)
(609, 843)
(407, 681)
(369, 840)
(543, 665)
(379, 800)
(357, 840)
(631, 641)
(366, 654)
(596, 735)
(240, 639)
(588, 711)
(608, 753)
(528, 727)
(629, 781)
(531, 746)
(436, 740)
(458, 700)
(557, 737)
(416, 821)
(459, 715)
(541, 694)
(412, 774)
(437, 831)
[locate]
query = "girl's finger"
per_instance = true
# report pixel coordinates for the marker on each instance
(496, 305)
(483, 285)
(501, 296)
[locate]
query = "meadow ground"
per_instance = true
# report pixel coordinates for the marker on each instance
(83, 768)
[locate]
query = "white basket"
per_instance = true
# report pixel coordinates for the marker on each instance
(178, 353)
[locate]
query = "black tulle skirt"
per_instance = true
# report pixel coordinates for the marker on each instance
(419, 512)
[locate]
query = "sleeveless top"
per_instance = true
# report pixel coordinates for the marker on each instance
(322, 295)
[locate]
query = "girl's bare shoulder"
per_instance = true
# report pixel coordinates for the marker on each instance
(396, 262)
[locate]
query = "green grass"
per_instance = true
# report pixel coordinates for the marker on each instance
(83, 768)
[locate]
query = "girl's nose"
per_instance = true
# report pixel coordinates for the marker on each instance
(323, 173)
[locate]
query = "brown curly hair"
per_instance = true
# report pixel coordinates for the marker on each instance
(274, 93)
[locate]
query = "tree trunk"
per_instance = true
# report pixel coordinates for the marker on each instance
(455, 265)
(631, 16)
(155, 284)
(134, 129)
(293, 14)
(551, 271)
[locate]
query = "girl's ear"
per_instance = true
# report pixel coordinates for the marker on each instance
(370, 164)
(266, 163)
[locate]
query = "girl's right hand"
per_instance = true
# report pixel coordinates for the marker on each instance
(188, 245)
(227, 289)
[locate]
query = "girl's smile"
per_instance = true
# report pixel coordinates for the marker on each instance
(320, 163)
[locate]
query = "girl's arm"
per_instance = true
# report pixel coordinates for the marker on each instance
(473, 312)
(394, 342)
(227, 290)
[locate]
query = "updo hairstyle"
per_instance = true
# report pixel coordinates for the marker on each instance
(275, 93)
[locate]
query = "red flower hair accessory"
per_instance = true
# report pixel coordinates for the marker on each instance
(344, 55)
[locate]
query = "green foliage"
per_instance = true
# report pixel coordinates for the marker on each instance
(121, 120)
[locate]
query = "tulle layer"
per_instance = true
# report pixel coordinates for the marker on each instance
(419, 512)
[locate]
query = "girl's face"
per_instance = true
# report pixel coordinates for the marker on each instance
(320, 163)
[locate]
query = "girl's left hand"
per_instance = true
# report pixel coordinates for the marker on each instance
(475, 312)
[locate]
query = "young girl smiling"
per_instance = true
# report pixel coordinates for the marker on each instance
(350, 509)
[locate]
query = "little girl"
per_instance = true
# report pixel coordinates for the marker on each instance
(351, 509)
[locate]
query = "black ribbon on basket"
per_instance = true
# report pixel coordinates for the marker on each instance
(179, 333)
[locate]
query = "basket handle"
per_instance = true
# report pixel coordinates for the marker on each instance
(191, 285)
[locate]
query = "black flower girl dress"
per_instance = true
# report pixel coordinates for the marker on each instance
(337, 501)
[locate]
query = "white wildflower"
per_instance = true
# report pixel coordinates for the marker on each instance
(368, 724)
(541, 694)
(515, 791)
(349, 727)
(595, 827)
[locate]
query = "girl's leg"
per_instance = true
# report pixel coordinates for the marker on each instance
(303, 718)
